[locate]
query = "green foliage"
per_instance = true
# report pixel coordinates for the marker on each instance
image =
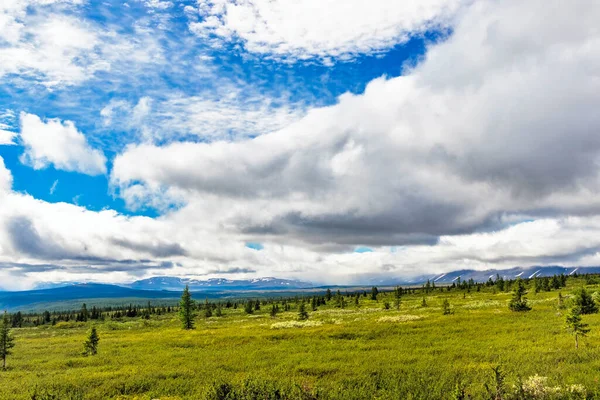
(397, 297)
(497, 389)
(207, 309)
(584, 302)
(374, 293)
(90, 346)
(575, 324)
(6, 339)
(519, 301)
(302, 314)
(249, 307)
(186, 309)
(420, 353)
(446, 307)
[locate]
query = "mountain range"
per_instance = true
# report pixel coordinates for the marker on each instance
(169, 289)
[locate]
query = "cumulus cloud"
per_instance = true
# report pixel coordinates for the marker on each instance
(59, 144)
(498, 120)
(46, 42)
(316, 28)
(5, 178)
(484, 155)
(7, 137)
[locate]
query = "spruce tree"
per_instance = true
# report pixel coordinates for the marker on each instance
(519, 301)
(274, 310)
(397, 297)
(328, 294)
(186, 309)
(302, 314)
(249, 307)
(207, 309)
(446, 307)
(576, 326)
(374, 293)
(90, 346)
(584, 302)
(6, 339)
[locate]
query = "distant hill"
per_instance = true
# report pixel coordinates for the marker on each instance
(218, 284)
(59, 296)
(483, 276)
(14, 300)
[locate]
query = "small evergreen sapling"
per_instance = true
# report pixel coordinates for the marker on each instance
(274, 310)
(519, 301)
(302, 314)
(249, 307)
(207, 309)
(446, 307)
(397, 297)
(6, 339)
(584, 302)
(576, 326)
(90, 346)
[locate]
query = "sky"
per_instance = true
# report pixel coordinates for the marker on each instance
(333, 141)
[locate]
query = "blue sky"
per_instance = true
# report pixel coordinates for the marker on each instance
(308, 84)
(295, 139)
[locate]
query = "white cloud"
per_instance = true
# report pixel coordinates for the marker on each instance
(319, 28)
(59, 144)
(497, 125)
(46, 42)
(158, 4)
(231, 111)
(7, 137)
(5, 178)
(53, 187)
(499, 119)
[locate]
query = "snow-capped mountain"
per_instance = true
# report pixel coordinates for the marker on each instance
(177, 283)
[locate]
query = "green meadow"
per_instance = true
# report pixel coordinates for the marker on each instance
(362, 351)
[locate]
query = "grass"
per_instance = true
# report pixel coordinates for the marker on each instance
(351, 353)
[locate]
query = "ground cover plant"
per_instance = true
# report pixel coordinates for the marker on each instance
(458, 342)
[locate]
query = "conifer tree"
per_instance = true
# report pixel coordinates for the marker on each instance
(249, 307)
(186, 309)
(328, 294)
(302, 314)
(6, 339)
(519, 301)
(397, 297)
(219, 310)
(207, 309)
(314, 303)
(424, 302)
(446, 307)
(575, 325)
(374, 293)
(90, 346)
(561, 301)
(357, 300)
(274, 310)
(584, 302)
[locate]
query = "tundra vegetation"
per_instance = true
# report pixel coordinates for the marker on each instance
(468, 340)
